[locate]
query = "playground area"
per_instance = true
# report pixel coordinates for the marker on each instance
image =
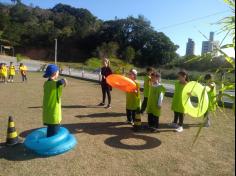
(106, 144)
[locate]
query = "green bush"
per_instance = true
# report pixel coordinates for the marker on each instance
(20, 57)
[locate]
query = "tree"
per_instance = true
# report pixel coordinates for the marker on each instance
(108, 50)
(129, 54)
(81, 34)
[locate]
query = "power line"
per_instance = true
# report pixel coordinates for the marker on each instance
(192, 20)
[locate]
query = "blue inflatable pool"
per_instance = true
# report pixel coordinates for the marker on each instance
(38, 142)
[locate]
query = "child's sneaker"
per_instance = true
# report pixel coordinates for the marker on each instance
(179, 130)
(130, 122)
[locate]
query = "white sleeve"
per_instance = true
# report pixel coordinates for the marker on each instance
(161, 97)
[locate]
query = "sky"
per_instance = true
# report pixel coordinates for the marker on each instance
(163, 15)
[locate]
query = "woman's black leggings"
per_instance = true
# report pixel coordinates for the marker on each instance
(106, 91)
(179, 117)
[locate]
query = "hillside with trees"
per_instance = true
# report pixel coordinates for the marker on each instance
(81, 35)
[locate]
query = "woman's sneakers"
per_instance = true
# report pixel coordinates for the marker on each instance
(101, 104)
(180, 129)
(108, 107)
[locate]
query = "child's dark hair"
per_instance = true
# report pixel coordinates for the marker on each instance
(183, 73)
(156, 74)
(150, 69)
(208, 77)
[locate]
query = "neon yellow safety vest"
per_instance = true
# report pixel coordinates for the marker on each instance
(154, 95)
(147, 80)
(52, 114)
(177, 105)
(4, 71)
(212, 99)
(12, 71)
(133, 100)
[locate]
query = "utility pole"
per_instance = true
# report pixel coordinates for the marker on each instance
(55, 51)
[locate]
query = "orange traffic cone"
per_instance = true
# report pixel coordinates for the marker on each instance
(12, 136)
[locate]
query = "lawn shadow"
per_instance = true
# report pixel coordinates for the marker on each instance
(16, 153)
(119, 132)
(100, 115)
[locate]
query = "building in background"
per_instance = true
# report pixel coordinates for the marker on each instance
(190, 49)
(210, 46)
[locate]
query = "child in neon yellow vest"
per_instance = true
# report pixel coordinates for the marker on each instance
(133, 100)
(212, 98)
(23, 70)
(177, 105)
(12, 72)
(147, 83)
(1, 75)
(155, 99)
(52, 114)
(4, 72)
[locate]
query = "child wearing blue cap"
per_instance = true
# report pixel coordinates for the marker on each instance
(52, 114)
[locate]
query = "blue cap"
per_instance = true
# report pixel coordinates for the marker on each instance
(51, 69)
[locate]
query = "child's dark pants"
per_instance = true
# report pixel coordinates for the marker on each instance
(153, 121)
(24, 77)
(179, 117)
(131, 115)
(52, 130)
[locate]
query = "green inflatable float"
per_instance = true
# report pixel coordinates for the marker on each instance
(196, 90)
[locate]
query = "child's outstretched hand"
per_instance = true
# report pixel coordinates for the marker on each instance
(65, 82)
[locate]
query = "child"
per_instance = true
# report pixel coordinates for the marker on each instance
(177, 105)
(12, 72)
(1, 75)
(212, 98)
(155, 102)
(133, 103)
(106, 88)
(23, 71)
(4, 72)
(147, 81)
(52, 115)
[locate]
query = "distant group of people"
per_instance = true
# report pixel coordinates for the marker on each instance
(8, 73)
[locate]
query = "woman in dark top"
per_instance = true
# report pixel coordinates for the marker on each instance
(106, 89)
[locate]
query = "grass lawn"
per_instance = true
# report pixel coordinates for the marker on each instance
(106, 144)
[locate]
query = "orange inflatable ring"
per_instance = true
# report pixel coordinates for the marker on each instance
(121, 82)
